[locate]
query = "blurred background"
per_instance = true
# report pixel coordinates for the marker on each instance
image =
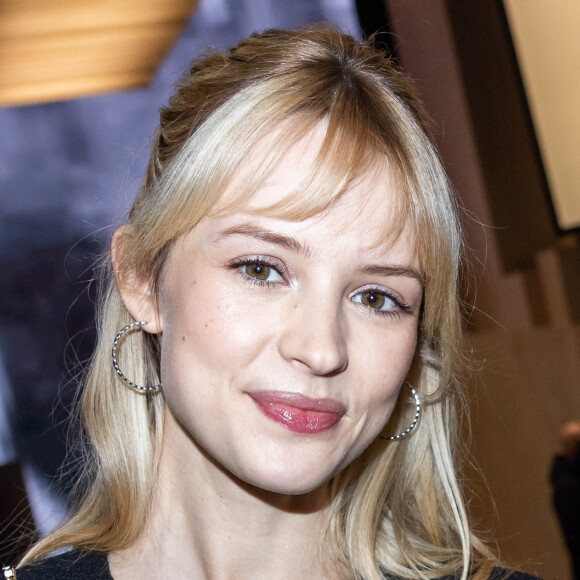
(81, 85)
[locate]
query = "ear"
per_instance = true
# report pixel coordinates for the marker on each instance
(136, 292)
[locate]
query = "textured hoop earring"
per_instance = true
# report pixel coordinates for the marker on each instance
(415, 418)
(138, 388)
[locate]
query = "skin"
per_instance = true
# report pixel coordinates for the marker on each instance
(570, 438)
(325, 308)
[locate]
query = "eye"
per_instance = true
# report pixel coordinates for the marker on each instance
(375, 300)
(380, 301)
(261, 271)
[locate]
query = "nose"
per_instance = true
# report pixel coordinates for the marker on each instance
(315, 336)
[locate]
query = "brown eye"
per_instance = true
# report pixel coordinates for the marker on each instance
(258, 271)
(373, 300)
(378, 301)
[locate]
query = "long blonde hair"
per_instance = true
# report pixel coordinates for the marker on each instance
(398, 508)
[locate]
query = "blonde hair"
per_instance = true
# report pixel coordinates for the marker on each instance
(398, 508)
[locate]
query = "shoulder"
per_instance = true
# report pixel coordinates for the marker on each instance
(70, 565)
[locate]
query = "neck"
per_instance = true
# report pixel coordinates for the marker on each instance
(207, 524)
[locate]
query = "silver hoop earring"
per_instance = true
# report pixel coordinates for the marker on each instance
(138, 388)
(415, 418)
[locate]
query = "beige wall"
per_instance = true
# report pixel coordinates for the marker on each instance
(530, 383)
(548, 48)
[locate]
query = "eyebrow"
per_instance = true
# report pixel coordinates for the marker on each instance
(266, 235)
(405, 271)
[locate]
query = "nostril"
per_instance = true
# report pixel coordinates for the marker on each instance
(338, 370)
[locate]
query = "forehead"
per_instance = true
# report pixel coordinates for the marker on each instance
(364, 220)
(277, 175)
(276, 165)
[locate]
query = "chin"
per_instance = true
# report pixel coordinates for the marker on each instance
(287, 481)
(293, 488)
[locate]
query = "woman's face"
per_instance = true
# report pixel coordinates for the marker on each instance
(285, 343)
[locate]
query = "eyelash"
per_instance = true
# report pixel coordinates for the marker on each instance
(259, 261)
(277, 266)
(401, 307)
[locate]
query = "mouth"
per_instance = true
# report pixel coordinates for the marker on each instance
(297, 412)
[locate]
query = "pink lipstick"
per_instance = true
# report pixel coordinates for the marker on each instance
(298, 412)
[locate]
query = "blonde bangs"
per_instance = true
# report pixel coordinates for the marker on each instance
(360, 134)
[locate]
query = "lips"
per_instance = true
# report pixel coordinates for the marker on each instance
(298, 412)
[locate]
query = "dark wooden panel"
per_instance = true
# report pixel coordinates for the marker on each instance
(507, 147)
(569, 256)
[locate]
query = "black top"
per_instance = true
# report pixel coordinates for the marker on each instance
(565, 477)
(77, 565)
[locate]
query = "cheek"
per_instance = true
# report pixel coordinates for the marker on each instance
(208, 328)
(382, 363)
